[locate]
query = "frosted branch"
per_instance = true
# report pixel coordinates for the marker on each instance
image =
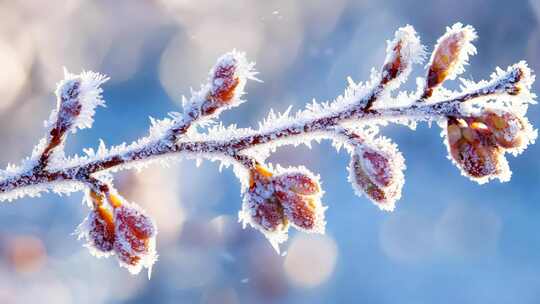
(480, 123)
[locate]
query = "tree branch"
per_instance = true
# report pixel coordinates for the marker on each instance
(481, 122)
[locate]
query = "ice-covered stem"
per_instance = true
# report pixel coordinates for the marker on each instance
(508, 83)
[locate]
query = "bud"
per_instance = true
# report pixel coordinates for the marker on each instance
(303, 211)
(135, 234)
(507, 128)
(68, 104)
(363, 182)
(268, 213)
(377, 171)
(266, 210)
(101, 229)
(450, 55)
(98, 227)
(77, 97)
(300, 194)
(224, 80)
(274, 201)
(299, 183)
(473, 149)
(227, 81)
(401, 53)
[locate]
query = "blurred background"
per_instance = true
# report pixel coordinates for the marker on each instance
(449, 240)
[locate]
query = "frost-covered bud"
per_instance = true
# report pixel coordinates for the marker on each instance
(476, 160)
(98, 227)
(224, 80)
(101, 229)
(377, 171)
(300, 195)
(135, 237)
(274, 201)
(266, 209)
(268, 213)
(68, 104)
(507, 127)
(472, 147)
(305, 212)
(401, 53)
(262, 209)
(450, 56)
(299, 183)
(227, 81)
(77, 97)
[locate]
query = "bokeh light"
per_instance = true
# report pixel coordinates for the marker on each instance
(310, 260)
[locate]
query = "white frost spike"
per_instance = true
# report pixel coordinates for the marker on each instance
(83, 89)
(401, 53)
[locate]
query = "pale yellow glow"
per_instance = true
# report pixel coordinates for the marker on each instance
(13, 76)
(310, 260)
